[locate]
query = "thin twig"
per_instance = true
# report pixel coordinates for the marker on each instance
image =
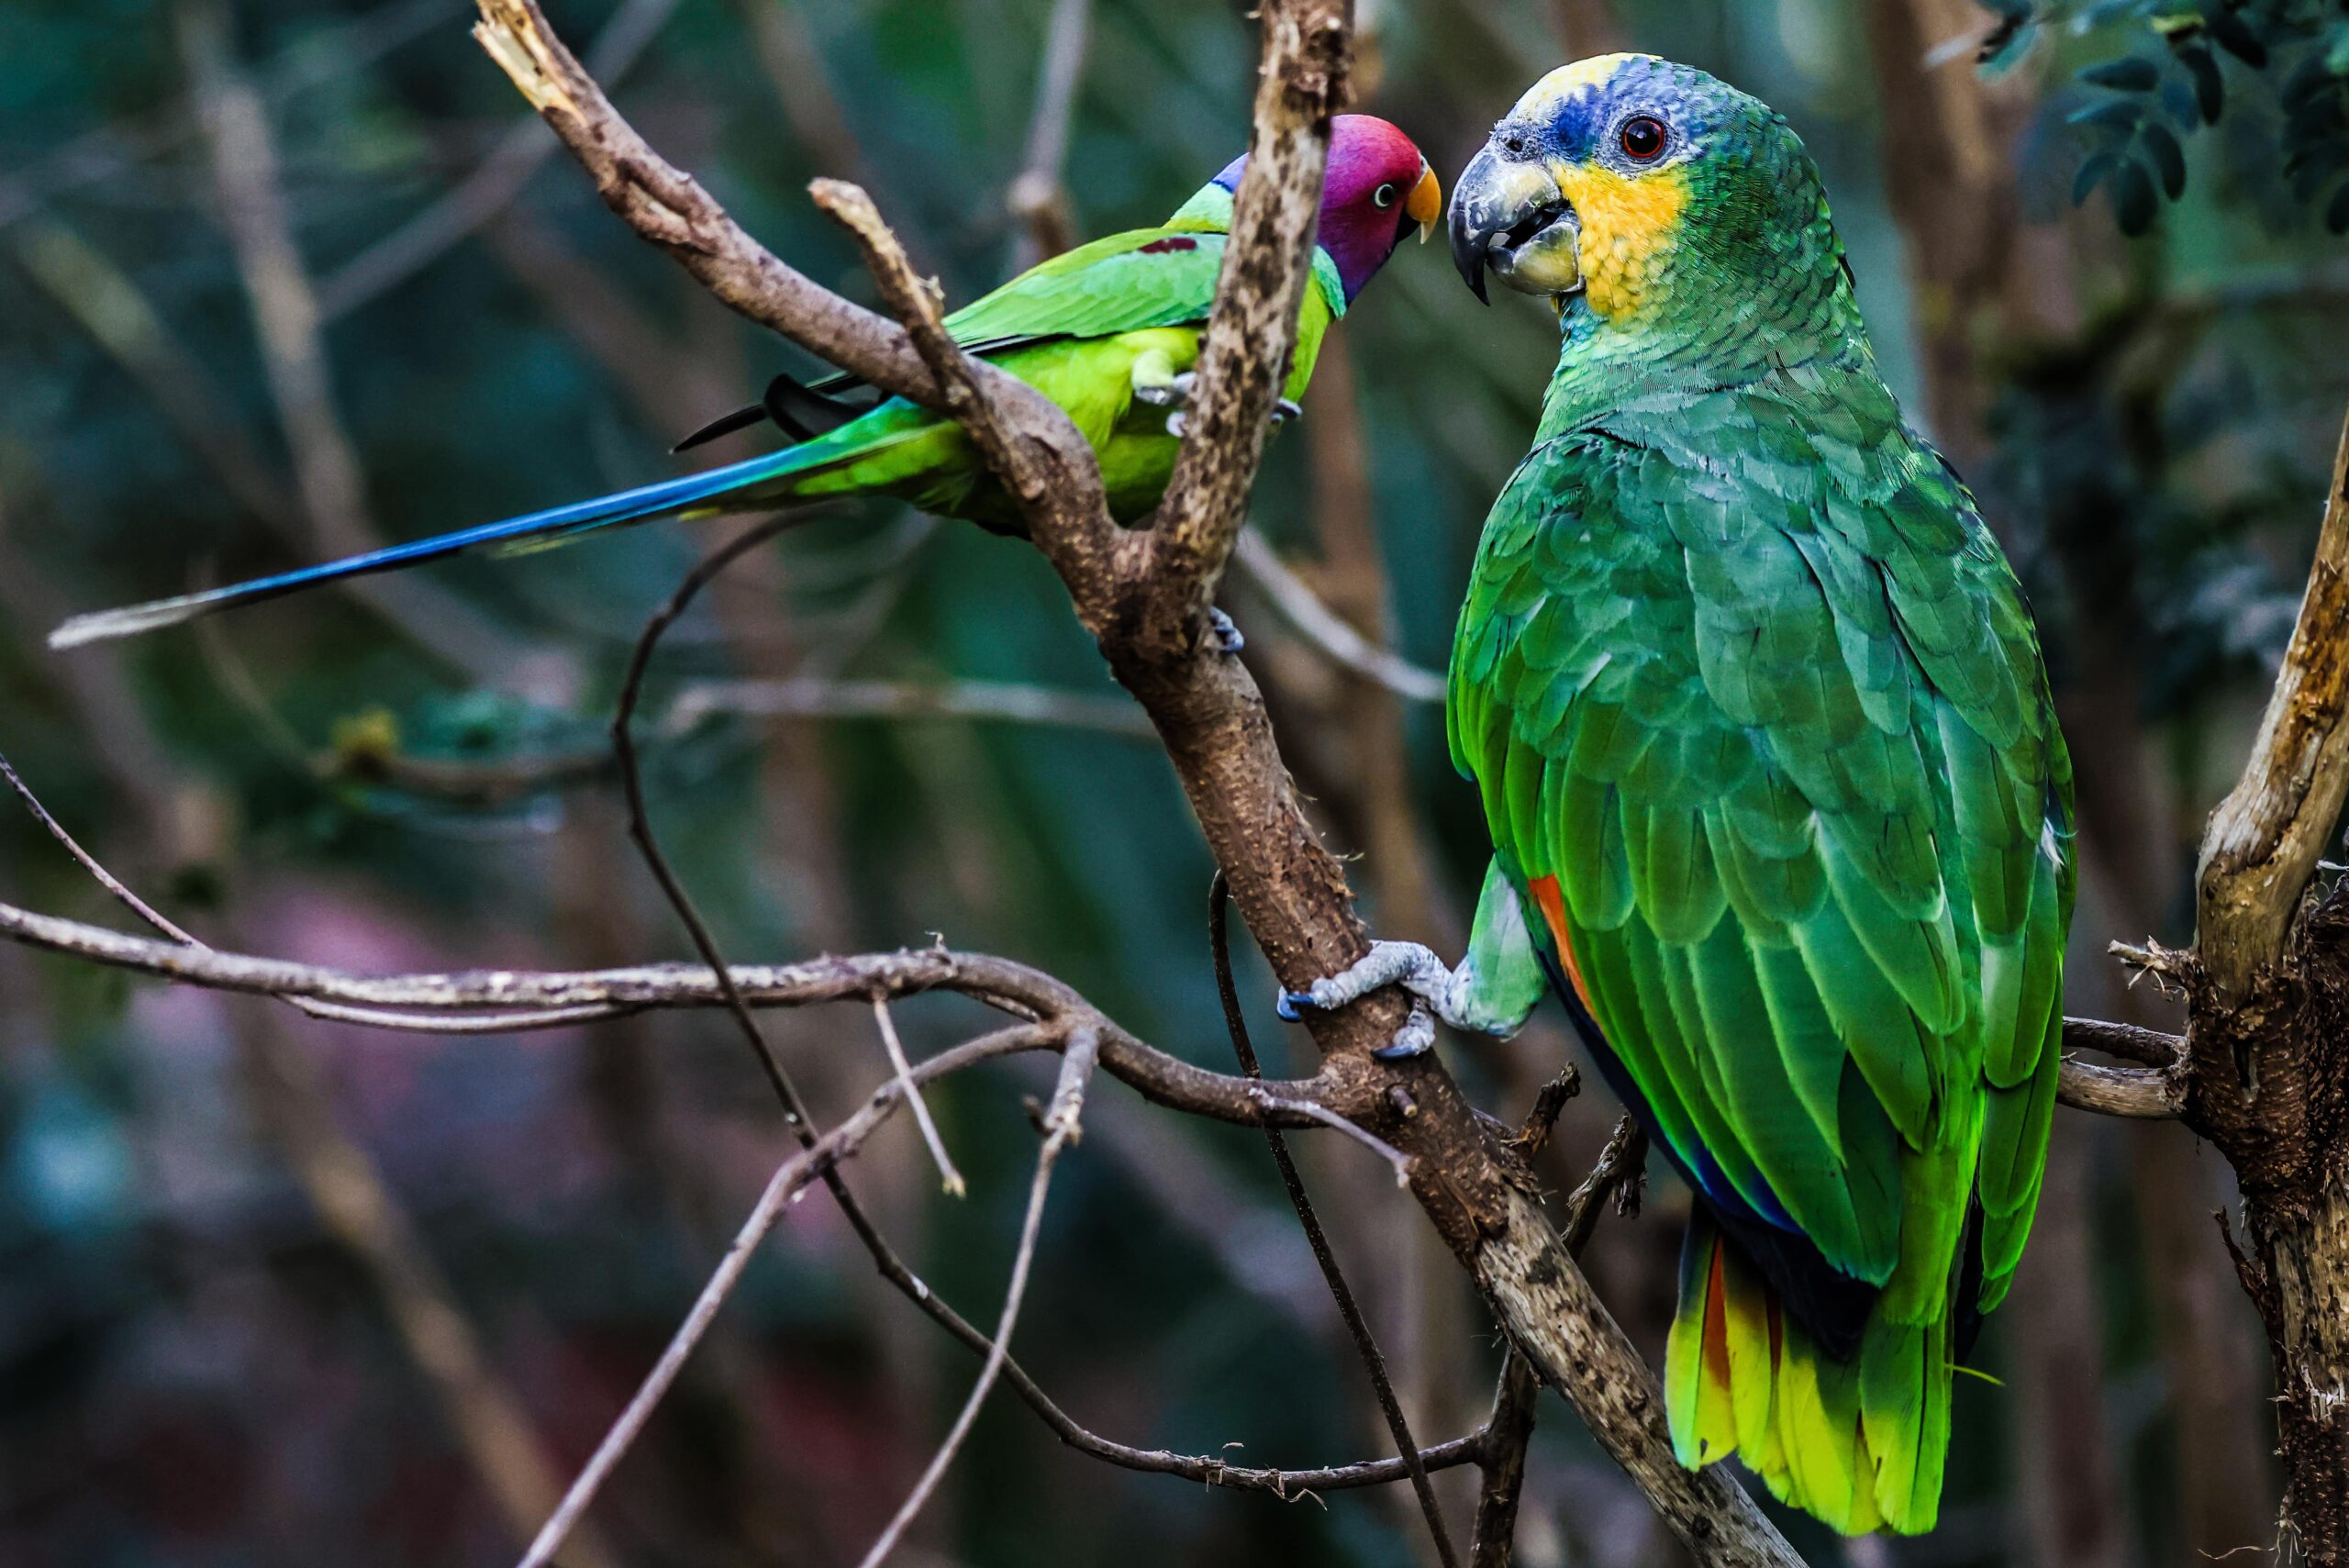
(1212, 1470)
(359, 1209)
(1038, 197)
(639, 822)
(2131, 1042)
(1236, 1022)
(1320, 626)
(810, 697)
(98, 873)
(1307, 1110)
(947, 1174)
(791, 1178)
(1509, 1432)
(1060, 1129)
(490, 188)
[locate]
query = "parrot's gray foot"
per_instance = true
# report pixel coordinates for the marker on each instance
(1226, 636)
(1439, 992)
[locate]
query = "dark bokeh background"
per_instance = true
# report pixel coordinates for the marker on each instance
(281, 275)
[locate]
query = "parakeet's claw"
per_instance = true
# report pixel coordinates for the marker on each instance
(1172, 393)
(1225, 635)
(1287, 408)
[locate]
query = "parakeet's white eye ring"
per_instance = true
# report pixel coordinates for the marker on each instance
(1644, 138)
(1383, 196)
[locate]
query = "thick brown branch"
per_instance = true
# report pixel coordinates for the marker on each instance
(2266, 839)
(1244, 354)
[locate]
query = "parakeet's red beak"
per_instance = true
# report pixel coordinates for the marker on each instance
(1425, 204)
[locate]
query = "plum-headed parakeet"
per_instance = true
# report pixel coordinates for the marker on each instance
(1109, 331)
(1778, 801)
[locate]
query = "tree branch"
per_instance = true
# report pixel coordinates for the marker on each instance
(2267, 836)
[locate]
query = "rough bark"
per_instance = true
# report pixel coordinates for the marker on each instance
(2267, 1070)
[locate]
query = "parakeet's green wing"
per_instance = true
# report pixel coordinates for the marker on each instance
(1757, 715)
(1122, 282)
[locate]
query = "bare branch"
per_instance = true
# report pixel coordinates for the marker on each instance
(1509, 1432)
(1066, 509)
(2156, 1092)
(1306, 1111)
(947, 1174)
(88, 862)
(1245, 353)
(996, 701)
(2147, 1048)
(1038, 197)
(1060, 1130)
(794, 1176)
(490, 188)
(2267, 836)
(1509, 1429)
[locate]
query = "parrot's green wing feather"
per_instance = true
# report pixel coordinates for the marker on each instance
(1757, 714)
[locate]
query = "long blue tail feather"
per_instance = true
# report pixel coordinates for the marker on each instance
(639, 504)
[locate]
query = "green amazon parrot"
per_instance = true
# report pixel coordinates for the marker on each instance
(1109, 331)
(1777, 798)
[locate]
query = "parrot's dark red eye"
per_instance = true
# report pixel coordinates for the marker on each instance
(1643, 137)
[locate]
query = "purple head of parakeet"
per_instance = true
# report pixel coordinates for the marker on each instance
(1376, 188)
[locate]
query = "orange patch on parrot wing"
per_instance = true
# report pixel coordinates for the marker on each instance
(1553, 914)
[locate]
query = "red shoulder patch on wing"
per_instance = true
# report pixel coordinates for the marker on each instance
(1554, 914)
(1175, 242)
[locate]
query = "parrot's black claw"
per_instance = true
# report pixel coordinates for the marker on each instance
(1227, 637)
(1287, 408)
(1416, 1038)
(1291, 1006)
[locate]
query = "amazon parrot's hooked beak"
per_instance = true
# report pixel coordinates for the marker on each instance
(1425, 204)
(1508, 215)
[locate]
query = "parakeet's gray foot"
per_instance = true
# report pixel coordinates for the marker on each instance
(1176, 392)
(1224, 634)
(1170, 394)
(1283, 412)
